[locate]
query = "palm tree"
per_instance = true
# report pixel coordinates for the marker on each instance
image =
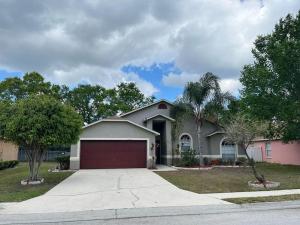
(202, 99)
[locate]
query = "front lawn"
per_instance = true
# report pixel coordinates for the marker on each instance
(12, 191)
(232, 179)
(264, 199)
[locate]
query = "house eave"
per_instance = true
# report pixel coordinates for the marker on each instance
(154, 103)
(121, 120)
(215, 132)
(157, 115)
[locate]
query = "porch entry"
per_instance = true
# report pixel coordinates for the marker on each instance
(160, 141)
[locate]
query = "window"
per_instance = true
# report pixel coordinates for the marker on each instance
(228, 150)
(186, 142)
(268, 150)
(162, 106)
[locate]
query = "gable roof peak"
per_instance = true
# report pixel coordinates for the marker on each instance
(146, 106)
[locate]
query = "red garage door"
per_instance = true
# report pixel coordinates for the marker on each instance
(109, 154)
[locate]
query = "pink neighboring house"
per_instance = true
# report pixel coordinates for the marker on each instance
(275, 151)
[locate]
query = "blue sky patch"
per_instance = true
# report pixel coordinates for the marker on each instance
(5, 74)
(154, 74)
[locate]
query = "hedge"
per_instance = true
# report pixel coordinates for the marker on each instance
(8, 164)
(64, 162)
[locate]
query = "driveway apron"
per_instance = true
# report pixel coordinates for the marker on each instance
(111, 189)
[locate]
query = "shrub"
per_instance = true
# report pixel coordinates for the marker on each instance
(206, 161)
(188, 158)
(8, 164)
(229, 162)
(64, 162)
(241, 161)
(215, 162)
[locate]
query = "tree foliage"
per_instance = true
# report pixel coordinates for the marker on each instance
(232, 109)
(179, 111)
(272, 83)
(88, 101)
(15, 88)
(92, 102)
(206, 98)
(37, 123)
(129, 97)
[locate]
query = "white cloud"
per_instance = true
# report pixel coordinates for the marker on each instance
(231, 85)
(179, 80)
(91, 39)
(97, 75)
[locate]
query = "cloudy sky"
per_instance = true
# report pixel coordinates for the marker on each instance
(159, 44)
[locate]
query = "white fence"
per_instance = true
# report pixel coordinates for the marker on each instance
(255, 153)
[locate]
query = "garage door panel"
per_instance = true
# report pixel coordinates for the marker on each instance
(106, 154)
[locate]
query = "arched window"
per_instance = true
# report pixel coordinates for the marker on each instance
(228, 149)
(185, 142)
(162, 106)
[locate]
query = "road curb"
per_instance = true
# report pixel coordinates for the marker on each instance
(9, 219)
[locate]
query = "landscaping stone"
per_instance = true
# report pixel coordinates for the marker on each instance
(269, 184)
(192, 168)
(207, 167)
(36, 182)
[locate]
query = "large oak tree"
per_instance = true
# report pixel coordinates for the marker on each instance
(272, 83)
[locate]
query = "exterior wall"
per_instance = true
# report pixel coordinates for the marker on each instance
(8, 151)
(189, 126)
(169, 142)
(281, 153)
(111, 130)
(214, 147)
(214, 143)
(140, 116)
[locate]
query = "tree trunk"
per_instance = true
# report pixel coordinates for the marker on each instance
(35, 157)
(199, 143)
(259, 177)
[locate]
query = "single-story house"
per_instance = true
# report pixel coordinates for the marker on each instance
(275, 151)
(8, 151)
(144, 137)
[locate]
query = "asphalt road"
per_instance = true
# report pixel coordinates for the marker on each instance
(287, 213)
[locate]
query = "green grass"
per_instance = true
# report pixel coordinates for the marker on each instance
(11, 189)
(232, 179)
(264, 199)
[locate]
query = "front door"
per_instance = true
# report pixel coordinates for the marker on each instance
(158, 150)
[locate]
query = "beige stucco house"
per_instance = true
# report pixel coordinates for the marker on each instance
(8, 151)
(144, 137)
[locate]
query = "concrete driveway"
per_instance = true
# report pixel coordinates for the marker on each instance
(111, 189)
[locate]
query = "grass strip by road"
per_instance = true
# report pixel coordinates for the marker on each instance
(11, 189)
(264, 199)
(220, 180)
